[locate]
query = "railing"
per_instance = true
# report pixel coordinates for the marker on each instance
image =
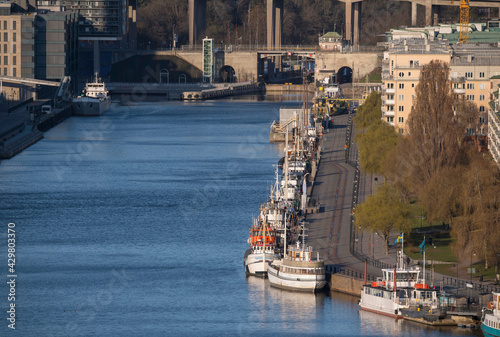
(333, 269)
(316, 48)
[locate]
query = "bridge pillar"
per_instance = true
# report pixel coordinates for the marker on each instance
(197, 12)
(348, 21)
(274, 23)
(414, 9)
(97, 57)
(428, 13)
(357, 21)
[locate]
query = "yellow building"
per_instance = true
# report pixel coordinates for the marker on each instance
(10, 43)
(471, 67)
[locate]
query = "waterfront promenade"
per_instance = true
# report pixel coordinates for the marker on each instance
(330, 229)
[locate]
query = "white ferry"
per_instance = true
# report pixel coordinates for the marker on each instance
(298, 270)
(389, 297)
(490, 322)
(94, 100)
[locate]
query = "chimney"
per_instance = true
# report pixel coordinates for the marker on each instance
(427, 47)
(469, 58)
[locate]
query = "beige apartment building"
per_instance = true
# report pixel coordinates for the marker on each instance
(471, 67)
(10, 43)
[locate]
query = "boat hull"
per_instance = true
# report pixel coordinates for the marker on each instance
(379, 305)
(255, 265)
(291, 282)
(489, 331)
(90, 106)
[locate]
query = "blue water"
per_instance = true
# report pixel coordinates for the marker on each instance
(135, 224)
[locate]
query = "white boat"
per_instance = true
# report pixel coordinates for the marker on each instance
(94, 101)
(389, 298)
(490, 322)
(262, 241)
(298, 270)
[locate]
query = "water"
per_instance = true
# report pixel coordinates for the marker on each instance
(135, 224)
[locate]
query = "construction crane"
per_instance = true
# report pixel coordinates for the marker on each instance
(464, 21)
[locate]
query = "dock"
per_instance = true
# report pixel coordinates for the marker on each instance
(184, 91)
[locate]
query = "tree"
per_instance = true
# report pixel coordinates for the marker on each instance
(370, 112)
(375, 145)
(384, 212)
(475, 228)
(436, 128)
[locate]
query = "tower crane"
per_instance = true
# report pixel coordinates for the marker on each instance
(464, 21)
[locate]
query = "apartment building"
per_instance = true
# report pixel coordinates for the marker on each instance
(401, 68)
(494, 124)
(41, 45)
(471, 67)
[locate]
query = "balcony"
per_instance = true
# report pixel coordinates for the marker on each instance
(459, 90)
(389, 90)
(390, 102)
(388, 113)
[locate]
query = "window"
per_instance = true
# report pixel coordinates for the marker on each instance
(5, 60)
(14, 37)
(401, 74)
(470, 97)
(390, 85)
(390, 97)
(401, 119)
(481, 97)
(468, 75)
(5, 25)
(390, 108)
(14, 25)
(409, 73)
(14, 48)
(6, 37)
(470, 85)
(14, 72)
(411, 64)
(412, 97)
(401, 97)
(482, 86)
(14, 60)
(401, 108)
(481, 74)
(4, 71)
(482, 120)
(413, 85)
(481, 108)
(390, 119)
(5, 48)
(401, 85)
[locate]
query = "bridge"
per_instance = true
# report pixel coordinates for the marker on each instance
(197, 17)
(248, 63)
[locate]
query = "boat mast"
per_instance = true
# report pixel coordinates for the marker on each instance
(286, 181)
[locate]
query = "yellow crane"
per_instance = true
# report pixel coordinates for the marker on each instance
(464, 21)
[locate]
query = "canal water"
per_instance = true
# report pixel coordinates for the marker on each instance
(135, 224)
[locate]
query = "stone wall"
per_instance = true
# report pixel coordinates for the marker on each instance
(346, 284)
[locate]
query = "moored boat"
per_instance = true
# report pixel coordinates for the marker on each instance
(262, 241)
(490, 322)
(399, 289)
(94, 100)
(298, 270)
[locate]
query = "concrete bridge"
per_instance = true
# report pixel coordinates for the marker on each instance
(247, 64)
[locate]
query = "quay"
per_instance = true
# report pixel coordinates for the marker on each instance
(184, 91)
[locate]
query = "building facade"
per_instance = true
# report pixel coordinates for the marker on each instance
(494, 125)
(471, 67)
(42, 45)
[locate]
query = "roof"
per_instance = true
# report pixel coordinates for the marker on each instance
(332, 34)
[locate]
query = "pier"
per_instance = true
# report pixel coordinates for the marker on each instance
(184, 91)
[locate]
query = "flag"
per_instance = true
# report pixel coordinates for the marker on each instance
(422, 247)
(398, 239)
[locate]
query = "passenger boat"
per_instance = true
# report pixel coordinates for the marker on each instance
(388, 297)
(490, 322)
(262, 241)
(94, 101)
(298, 270)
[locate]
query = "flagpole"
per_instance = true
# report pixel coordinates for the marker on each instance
(424, 261)
(402, 250)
